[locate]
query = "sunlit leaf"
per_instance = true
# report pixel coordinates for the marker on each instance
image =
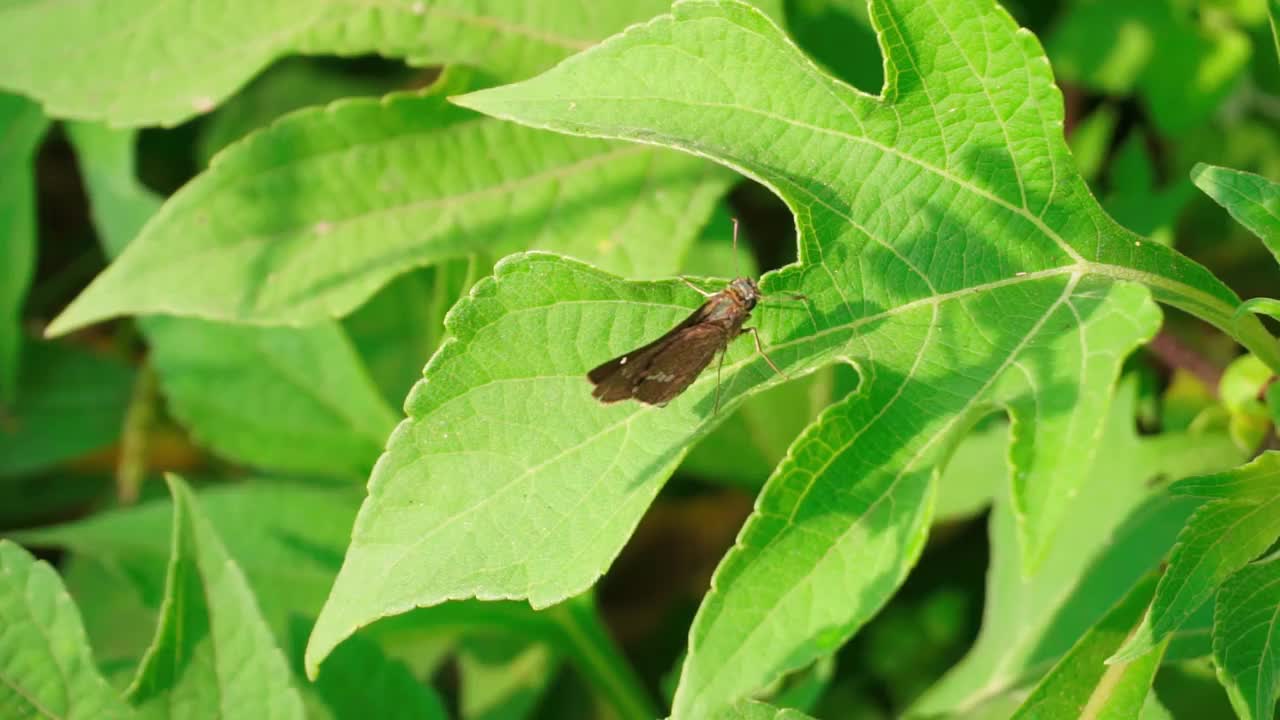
(1252, 200)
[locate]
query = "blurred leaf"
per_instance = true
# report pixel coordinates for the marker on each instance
(304, 220)
(1185, 400)
(1136, 202)
(752, 710)
(502, 677)
(288, 538)
(1082, 685)
(21, 129)
(163, 64)
(1246, 639)
(1242, 383)
(1239, 521)
(290, 84)
(46, 668)
(1252, 200)
(360, 681)
(1154, 47)
(396, 331)
(1122, 530)
(279, 398)
(1090, 141)
(838, 34)
(71, 402)
(976, 472)
(213, 655)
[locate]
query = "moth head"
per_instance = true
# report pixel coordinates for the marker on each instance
(746, 290)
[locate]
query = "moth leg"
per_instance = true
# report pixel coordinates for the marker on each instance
(696, 289)
(755, 334)
(718, 368)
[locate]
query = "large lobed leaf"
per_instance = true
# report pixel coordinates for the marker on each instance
(303, 221)
(947, 248)
(213, 655)
(46, 665)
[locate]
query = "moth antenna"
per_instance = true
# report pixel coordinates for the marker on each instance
(737, 268)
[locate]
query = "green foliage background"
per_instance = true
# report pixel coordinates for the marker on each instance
(1022, 465)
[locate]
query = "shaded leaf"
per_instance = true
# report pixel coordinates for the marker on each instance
(1246, 639)
(46, 665)
(305, 220)
(280, 398)
(1123, 529)
(288, 539)
(502, 677)
(21, 128)
(1239, 521)
(213, 655)
(360, 681)
(1081, 684)
(1182, 67)
(71, 402)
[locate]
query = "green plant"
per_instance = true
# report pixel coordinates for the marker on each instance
(981, 327)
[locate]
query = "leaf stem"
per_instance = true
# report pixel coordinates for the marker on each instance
(138, 419)
(596, 656)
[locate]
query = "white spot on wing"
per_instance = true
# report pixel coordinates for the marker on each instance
(623, 361)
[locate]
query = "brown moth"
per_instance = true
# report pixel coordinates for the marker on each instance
(659, 371)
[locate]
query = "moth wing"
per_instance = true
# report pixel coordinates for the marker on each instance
(617, 379)
(677, 364)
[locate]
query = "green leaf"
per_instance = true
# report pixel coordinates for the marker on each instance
(280, 398)
(291, 84)
(287, 538)
(396, 331)
(1252, 200)
(752, 710)
(213, 655)
(1246, 639)
(1238, 523)
(360, 681)
(21, 128)
(1123, 530)
(975, 269)
(305, 220)
(502, 677)
(1082, 685)
(157, 66)
(46, 667)
(71, 402)
(1182, 69)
